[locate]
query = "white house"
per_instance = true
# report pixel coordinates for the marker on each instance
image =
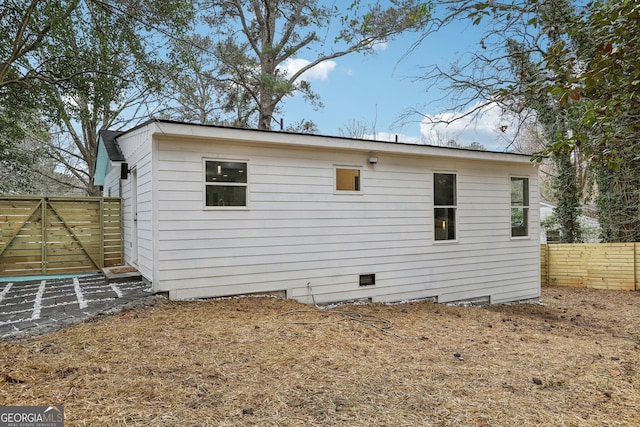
(108, 163)
(588, 222)
(213, 211)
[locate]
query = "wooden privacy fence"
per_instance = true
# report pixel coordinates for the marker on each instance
(591, 265)
(59, 235)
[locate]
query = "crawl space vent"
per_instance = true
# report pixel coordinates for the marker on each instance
(367, 279)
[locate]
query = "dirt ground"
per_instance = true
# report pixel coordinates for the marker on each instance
(572, 360)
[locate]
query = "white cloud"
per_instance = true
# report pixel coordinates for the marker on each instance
(380, 46)
(319, 72)
(487, 127)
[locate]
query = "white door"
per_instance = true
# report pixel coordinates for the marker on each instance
(134, 215)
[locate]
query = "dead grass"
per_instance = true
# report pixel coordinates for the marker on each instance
(573, 361)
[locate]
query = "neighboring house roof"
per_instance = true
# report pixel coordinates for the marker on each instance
(113, 149)
(108, 151)
(587, 218)
(589, 211)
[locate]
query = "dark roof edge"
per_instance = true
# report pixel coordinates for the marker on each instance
(156, 120)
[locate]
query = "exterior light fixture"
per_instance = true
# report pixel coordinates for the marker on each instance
(124, 170)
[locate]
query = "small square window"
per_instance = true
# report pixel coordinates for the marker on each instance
(347, 179)
(225, 183)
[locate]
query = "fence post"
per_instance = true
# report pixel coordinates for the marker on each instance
(544, 264)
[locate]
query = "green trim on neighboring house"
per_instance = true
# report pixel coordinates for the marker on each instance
(108, 151)
(101, 164)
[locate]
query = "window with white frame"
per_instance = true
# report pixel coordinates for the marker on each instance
(519, 207)
(347, 179)
(444, 206)
(225, 183)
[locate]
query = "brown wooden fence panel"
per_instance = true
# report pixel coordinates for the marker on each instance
(21, 236)
(544, 265)
(56, 235)
(112, 232)
(637, 266)
(591, 265)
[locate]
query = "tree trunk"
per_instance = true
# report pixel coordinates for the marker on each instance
(567, 193)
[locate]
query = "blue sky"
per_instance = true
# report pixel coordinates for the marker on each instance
(376, 89)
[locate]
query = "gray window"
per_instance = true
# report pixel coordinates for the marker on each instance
(519, 207)
(225, 183)
(445, 205)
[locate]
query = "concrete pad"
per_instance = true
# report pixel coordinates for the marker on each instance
(60, 304)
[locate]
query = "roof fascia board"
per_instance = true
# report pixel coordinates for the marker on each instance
(185, 130)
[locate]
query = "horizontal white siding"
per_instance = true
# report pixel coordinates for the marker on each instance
(111, 186)
(299, 235)
(137, 149)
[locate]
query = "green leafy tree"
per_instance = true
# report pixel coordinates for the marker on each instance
(20, 125)
(116, 45)
(556, 119)
(608, 84)
(592, 73)
(81, 66)
(26, 27)
(611, 86)
(256, 39)
(608, 90)
(566, 192)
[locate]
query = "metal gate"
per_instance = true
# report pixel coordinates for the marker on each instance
(59, 235)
